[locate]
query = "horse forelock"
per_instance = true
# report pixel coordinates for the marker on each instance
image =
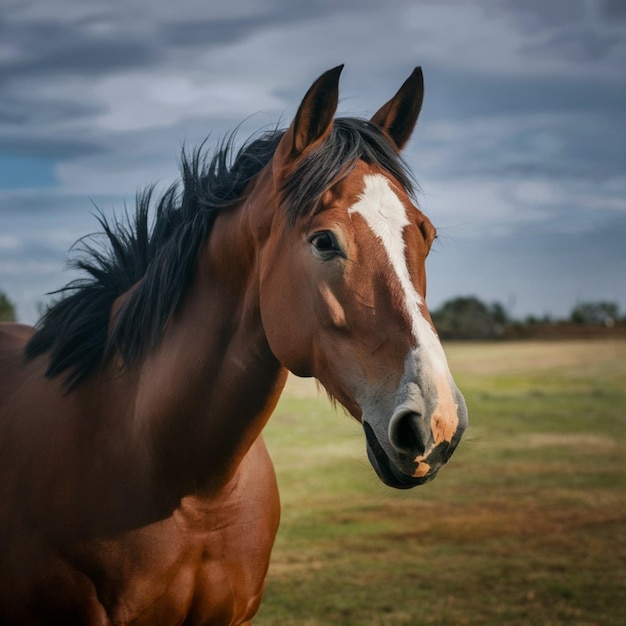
(351, 140)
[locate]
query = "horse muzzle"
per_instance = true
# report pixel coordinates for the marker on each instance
(409, 451)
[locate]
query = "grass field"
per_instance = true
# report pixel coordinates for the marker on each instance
(525, 526)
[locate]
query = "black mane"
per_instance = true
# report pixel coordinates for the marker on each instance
(75, 330)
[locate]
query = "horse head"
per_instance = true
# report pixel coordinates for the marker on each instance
(343, 280)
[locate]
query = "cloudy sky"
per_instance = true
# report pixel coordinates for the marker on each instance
(520, 151)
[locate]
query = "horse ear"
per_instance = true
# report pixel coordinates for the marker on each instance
(314, 118)
(398, 116)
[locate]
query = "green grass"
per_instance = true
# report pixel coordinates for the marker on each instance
(525, 526)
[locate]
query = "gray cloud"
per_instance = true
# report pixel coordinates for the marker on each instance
(614, 9)
(211, 32)
(41, 48)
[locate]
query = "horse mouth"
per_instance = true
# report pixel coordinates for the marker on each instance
(384, 467)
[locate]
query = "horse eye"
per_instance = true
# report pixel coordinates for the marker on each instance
(325, 243)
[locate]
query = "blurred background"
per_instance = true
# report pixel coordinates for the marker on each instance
(519, 152)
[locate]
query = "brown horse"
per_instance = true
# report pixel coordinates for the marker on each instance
(136, 487)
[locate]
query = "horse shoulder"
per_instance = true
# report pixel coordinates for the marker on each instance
(13, 339)
(236, 549)
(206, 563)
(13, 334)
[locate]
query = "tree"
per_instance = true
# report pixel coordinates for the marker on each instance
(7, 309)
(597, 313)
(469, 318)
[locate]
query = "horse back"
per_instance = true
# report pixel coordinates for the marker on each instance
(13, 339)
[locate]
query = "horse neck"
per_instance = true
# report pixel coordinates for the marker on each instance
(204, 395)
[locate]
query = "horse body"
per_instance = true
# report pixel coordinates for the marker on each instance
(136, 487)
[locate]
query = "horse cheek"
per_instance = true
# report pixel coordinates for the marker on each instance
(286, 313)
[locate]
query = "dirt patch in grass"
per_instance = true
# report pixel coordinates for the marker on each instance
(484, 520)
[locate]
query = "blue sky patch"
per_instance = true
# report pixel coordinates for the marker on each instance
(20, 172)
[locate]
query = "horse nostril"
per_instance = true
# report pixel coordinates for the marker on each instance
(409, 434)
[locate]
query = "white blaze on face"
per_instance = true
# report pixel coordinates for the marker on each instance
(383, 212)
(386, 216)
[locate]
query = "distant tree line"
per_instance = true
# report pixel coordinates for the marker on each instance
(468, 317)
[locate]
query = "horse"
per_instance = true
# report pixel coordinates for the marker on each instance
(136, 487)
